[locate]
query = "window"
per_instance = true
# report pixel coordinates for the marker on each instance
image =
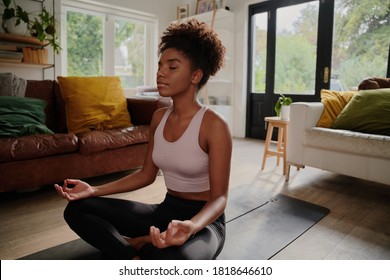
(104, 40)
(84, 43)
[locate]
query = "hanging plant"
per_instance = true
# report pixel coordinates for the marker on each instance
(43, 28)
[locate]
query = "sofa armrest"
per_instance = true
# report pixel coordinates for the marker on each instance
(306, 114)
(303, 115)
(141, 109)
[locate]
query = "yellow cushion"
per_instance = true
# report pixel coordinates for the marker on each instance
(94, 103)
(334, 102)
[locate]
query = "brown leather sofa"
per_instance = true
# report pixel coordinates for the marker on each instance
(32, 161)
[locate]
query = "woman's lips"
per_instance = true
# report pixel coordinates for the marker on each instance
(161, 85)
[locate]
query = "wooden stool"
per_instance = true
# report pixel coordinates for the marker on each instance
(282, 141)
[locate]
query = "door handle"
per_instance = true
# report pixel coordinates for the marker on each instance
(326, 75)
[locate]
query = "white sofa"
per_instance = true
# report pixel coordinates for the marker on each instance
(361, 155)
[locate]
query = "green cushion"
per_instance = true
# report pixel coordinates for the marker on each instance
(22, 116)
(368, 112)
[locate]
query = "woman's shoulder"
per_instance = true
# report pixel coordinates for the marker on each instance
(214, 122)
(213, 117)
(161, 111)
(158, 115)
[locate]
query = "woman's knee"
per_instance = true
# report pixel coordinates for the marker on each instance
(77, 208)
(71, 210)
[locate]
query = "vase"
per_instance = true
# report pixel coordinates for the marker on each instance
(285, 113)
(11, 27)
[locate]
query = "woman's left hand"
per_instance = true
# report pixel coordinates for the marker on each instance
(177, 233)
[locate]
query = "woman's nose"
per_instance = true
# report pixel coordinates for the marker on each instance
(160, 73)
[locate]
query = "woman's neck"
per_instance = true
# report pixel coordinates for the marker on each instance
(185, 106)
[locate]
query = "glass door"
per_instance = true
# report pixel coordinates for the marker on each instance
(284, 55)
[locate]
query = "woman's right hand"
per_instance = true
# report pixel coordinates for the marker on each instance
(74, 189)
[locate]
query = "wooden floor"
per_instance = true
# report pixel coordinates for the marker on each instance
(357, 228)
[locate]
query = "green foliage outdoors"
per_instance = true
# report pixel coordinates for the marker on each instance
(130, 53)
(85, 48)
(84, 44)
(362, 40)
(360, 47)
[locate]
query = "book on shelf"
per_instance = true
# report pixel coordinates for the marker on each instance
(11, 56)
(37, 56)
(10, 60)
(8, 48)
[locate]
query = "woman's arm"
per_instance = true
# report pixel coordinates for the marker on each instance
(136, 180)
(219, 146)
(142, 177)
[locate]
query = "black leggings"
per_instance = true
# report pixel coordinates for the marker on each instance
(102, 222)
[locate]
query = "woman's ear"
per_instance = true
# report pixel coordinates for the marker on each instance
(197, 76)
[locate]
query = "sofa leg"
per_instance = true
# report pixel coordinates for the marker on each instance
(288, 166)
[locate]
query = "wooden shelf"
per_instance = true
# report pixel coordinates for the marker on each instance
(25, 65)
(21, 41)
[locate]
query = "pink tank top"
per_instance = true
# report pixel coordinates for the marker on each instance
(183, 162)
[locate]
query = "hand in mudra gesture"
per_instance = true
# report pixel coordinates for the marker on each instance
(74, 189)
(177, 233)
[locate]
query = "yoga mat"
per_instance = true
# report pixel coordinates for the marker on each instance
(77, 249)
(262, 232)
(258, 227)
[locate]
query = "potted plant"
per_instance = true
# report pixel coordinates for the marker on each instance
(14, 19)
(282, 107)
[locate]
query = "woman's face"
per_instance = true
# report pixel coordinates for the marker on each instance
(174, 75)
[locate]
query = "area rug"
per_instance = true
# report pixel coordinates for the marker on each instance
(258, 227)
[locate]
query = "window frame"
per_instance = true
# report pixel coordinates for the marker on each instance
(112, 13)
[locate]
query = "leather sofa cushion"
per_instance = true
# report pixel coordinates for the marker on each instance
(36, 146)
(50, 92)
(99, 140)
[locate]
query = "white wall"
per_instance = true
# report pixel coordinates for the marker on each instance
(240, 9)
(165, 10)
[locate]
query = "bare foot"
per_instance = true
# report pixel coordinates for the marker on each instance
(137, 242)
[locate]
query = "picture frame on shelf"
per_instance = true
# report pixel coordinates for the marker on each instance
(182, 11)
(220, 4)
(203, 6)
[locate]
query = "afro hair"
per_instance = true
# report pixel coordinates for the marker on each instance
(199, 43)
